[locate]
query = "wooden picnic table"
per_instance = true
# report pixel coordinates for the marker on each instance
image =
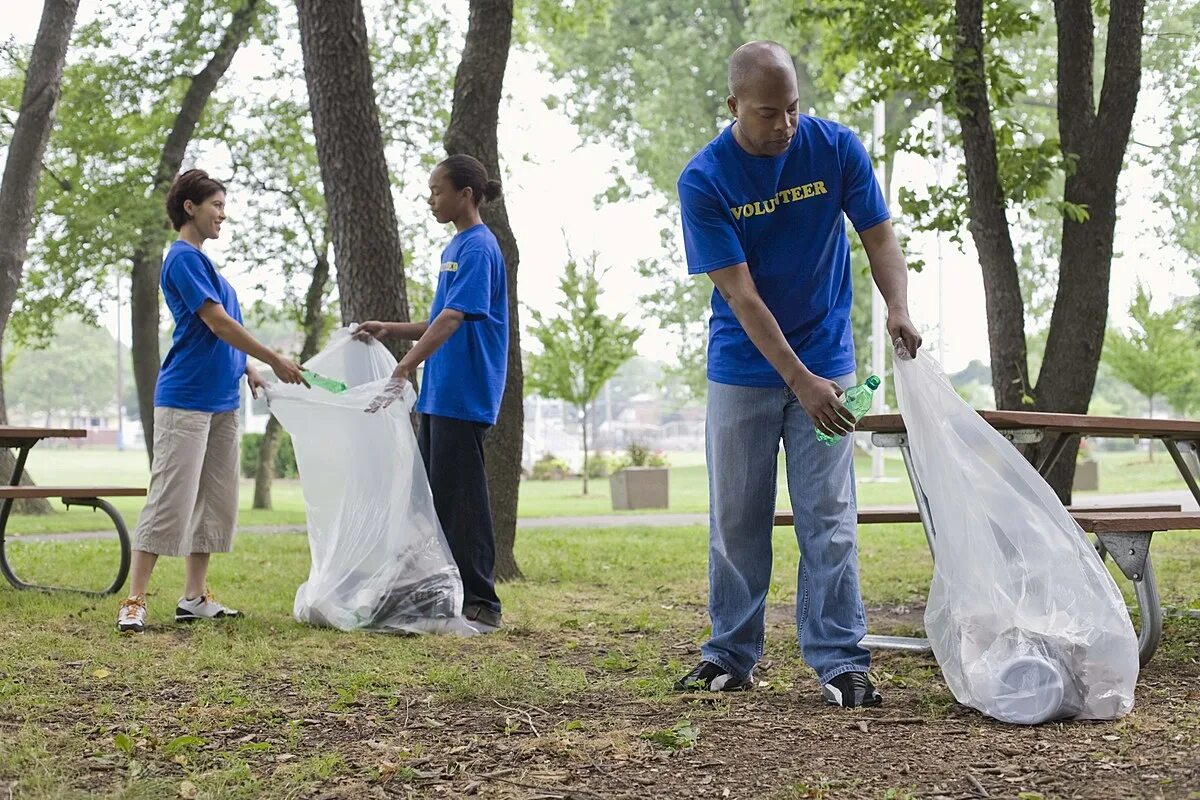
(1123, 534)
(23, 439)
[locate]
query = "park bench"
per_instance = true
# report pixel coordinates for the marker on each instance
(1122, 532)
(88, 496)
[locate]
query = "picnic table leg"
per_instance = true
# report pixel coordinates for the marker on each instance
(1131, 553)
(919, 493)
(1184, 468)
(91, 502)
(1056, 449)
(5, 511)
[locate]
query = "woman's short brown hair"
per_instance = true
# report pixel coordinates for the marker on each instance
(194, 185)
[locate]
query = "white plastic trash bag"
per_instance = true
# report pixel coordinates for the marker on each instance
(1024, 619)
(379, 559)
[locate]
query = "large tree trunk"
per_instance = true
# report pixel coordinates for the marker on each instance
(147, 257)
(23, 171)
(358, 193)
(986, 208)
(478, 85)
(1097, 140)
(314, 324)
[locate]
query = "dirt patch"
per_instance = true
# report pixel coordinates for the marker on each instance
(776, 742)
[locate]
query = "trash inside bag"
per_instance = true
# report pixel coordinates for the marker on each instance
(1024, 619)
(379, 559)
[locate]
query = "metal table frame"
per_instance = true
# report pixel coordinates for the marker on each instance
(95, 503)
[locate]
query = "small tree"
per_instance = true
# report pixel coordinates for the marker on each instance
(581, 347)
(1158, 355)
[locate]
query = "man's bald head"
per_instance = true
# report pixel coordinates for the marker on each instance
(757, 65)
(764, 97)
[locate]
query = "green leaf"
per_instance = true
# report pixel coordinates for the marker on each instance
(124, 743)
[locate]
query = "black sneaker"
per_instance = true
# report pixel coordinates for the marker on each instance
(708, 677)
(851, 690)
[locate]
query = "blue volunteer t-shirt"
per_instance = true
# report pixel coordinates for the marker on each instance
(782, 215)
(201, 372)
(464, 379)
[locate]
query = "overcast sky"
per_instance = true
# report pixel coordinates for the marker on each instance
(552, 179)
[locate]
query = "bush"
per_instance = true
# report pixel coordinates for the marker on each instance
(285, 456)
(638, 455)
(549, 468)
(600, 466)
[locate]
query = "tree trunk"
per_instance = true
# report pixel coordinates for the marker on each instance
(23, 171)
(354, 172)
(585, 449)
(314, 324)
(478, 85)
(1094, 141)
(1097, 139)
(147, 256)
(986, 208)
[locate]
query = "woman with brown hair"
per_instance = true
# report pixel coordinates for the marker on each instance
(192, 508)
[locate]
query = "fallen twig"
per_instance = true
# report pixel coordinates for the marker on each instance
(978, 786)
(528, 718)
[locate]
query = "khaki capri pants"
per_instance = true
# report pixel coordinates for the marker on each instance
(193, 502)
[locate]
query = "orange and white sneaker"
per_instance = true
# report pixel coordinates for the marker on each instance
(131, 618)
(203, 607)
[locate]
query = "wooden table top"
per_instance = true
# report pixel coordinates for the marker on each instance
(1083, 424)
(20, 433)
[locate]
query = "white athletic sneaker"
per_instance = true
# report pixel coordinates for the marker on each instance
(131, 618)
(203, 607)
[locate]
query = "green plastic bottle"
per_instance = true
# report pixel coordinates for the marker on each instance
(328, 384)
(857, 400)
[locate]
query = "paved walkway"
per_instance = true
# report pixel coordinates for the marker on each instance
(1181, 497)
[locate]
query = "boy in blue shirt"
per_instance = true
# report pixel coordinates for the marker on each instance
(762, 208)
(465, 349)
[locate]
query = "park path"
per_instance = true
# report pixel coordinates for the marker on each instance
(1181, 497)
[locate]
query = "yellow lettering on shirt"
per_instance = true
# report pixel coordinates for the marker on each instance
(782, 197)
(449, 266)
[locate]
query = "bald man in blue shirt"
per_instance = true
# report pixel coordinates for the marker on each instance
(763, 208)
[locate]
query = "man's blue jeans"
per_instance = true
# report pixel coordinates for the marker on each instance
(744, 428)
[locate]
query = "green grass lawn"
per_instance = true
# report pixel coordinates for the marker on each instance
(1119, 472)
(571, 699)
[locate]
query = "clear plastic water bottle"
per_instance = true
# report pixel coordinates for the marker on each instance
(328, 384)
(857, 401)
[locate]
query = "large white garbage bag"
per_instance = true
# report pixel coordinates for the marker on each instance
(379, 558)
(1024, 619)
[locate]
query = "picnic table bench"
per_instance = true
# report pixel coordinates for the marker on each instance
(1123, 532)
(24, 439)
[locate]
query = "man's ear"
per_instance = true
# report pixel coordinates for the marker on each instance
(731, 101)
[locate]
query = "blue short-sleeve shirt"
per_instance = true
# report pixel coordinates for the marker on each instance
(201, 372)
(784, 217)
(464, 378)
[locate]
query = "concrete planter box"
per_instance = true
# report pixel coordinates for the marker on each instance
(639, 487)
(1087, 476)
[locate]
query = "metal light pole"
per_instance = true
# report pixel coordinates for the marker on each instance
(120, 375)
(878, 322)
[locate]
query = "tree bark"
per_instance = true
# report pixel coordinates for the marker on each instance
(1094, 143)
(478, 85)
(314, 324)
(22, 173)
(354, 172)
(1096, 140)
(585, 449)
(147, 257)
(986, 208)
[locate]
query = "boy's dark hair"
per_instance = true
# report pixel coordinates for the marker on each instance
(464, 170)
(194, 185)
